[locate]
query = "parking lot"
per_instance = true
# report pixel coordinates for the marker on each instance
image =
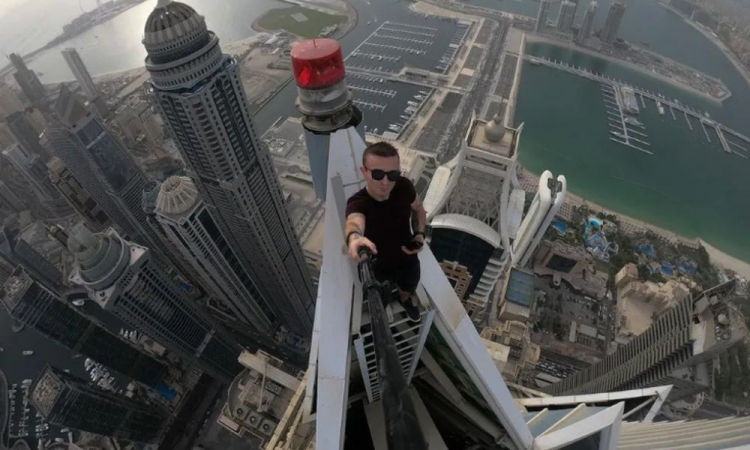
(426, 42)
(433, 131)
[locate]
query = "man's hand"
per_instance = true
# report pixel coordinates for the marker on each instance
(418, 238)
(355, 242)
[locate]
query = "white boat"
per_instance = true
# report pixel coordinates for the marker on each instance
(27, 352)
(79, 302)
(618, 134)
(660, 107)
(632, 121)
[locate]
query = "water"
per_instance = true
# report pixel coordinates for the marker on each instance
(116, 44)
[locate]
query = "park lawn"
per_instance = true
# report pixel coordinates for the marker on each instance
(282, 19)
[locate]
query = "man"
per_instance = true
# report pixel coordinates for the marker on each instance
(379, 217)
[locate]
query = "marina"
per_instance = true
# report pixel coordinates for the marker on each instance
(738, 145)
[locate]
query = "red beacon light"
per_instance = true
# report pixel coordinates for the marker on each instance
(318, 63)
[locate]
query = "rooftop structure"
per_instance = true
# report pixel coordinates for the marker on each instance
(571, 263)
(475, 209)
(258, 397)
(516, 297)
(18, 252)
(79, 198)
(522, 353)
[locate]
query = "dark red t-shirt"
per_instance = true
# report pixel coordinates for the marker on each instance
(387, 223)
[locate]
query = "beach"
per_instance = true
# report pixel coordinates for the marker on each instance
(630, 225)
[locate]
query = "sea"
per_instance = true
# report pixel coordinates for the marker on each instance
(689, 185)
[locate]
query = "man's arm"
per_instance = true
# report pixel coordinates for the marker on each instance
(418, 209)
(420, 213)
(354, 233)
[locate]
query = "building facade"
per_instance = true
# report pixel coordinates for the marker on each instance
(566, 17)
(79, 198)
(45, 311)
(191, 228)
(587, 26)
(68, 401)
(200, 96)
(28, 81)
(27, 133)
(19, 253)
(74, 61)
(121, 277)
(612, 23)
(108, 172)
(543, 16)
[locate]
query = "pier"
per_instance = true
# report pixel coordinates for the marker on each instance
(622, 126)
(721, 130)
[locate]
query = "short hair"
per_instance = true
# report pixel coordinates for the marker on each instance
(382, 149)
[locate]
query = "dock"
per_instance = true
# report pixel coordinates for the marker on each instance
(622, 131)
(611, 94)
(687, 119)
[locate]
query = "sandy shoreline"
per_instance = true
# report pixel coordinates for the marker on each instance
(632, 224)
(532, 37)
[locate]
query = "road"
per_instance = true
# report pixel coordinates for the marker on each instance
(481, 83)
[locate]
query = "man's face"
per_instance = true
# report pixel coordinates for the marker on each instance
(384, 186)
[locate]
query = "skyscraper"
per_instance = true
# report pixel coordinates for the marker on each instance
(45, 311)
(201, 98)
(566, 17)
(73, 190)
(674, 350)
(80, 72)
(68, 401)
(28, 81)
(541, 19)
(33, 170)
(122, 278)
(612, 23)
(105, 168)
(19, 253)
(588, 22)
(27, 134)
(190, 227)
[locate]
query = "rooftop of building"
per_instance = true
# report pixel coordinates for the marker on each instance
(492, 137)
(520, 287)
(177, 196)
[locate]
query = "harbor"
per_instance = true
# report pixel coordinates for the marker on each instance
(612, 89)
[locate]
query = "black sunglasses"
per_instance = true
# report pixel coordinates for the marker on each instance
(378, 174)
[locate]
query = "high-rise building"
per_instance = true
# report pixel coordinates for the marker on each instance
(188, 224)
(543, 16)
(9, 102)
(32, 168)
(78, 197)
(68, 401)
(20, 253)
(101, 163)
(566, 17)
(612, 23)
(28, 81)
(200, 96)
(10, 199)
(45, 311)
(122, 278)
(80, 72)
(676, 349)
(27, 134)
(588, 23)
